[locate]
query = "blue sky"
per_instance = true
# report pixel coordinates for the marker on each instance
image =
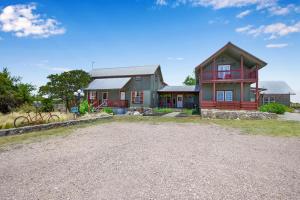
(38, 38)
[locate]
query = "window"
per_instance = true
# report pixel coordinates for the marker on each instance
(220, 95)
(224, 72)
(224, 95)
(228, 96)
(92, 95)
(137, 97)
(267, 100)
(122, 95)
(138, 78)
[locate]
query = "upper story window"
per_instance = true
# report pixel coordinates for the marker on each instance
(224, 72)
(138, 78)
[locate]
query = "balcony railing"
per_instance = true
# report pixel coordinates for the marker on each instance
(228, 75)
(109, 103)
(233, 105)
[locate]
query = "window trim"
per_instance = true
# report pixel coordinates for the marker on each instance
(223, 92)
(221, 73)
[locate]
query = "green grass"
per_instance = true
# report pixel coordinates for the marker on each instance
(263, 127)
(163, 110)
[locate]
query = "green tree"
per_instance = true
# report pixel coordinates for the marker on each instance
(65, 84)
(13, 93)
(189, 80)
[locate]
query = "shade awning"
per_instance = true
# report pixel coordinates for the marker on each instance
(108, 84)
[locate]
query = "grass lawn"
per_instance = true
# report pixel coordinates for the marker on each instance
(259, 127)
(263, 127)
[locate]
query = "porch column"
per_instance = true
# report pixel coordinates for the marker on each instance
(242, 67)
(242, 92)
(214, 91)
(256, 89)
(214, 68)
(200, 91)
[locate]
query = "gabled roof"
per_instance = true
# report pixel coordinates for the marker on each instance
(192, 88)
(234, 49)
(108, 83)
(124, 71)
(275, 87)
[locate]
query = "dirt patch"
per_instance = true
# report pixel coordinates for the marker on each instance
(153, 161)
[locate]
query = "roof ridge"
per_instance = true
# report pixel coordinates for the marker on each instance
(156, 65)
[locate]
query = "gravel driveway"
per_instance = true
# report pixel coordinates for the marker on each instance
(153, 161)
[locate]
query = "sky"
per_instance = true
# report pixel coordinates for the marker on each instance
(42, 37)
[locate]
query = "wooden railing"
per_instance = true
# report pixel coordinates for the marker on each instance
(109, 103)
(230, 105)
(228, 75)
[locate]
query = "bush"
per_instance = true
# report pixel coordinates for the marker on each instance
(163, 110)
(26, 108)
(47, 105)
(107, 110)
(196, 111)
(274, 108)
(84, 107)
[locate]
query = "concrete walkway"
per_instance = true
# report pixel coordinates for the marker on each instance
(290, 116)
(172, 114)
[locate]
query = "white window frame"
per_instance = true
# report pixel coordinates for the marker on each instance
(223, 70)
(137, 97)
(227, 92)
(224, 94)
(122, 95)
(92, 95)
(217, 95)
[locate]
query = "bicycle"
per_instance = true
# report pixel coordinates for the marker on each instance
(38, 118)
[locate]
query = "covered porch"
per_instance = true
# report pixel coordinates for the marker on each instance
(178, 97)
(107, 93)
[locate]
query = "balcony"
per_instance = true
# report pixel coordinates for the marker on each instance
(228, 75)
(109, 103)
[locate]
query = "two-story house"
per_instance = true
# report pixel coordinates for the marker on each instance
(225, 79)
(133, 87)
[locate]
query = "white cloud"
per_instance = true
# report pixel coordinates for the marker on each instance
(278, 10)
(161, 2)
(219, 4)
(243, 29)
(20, 20)
(59, 69)
(178, 58)
(275, 30)
(243, 14)
(282, 45)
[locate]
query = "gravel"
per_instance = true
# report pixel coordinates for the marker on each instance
(153, 161)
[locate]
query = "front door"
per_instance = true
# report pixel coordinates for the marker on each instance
(104, 98)
(179, 101)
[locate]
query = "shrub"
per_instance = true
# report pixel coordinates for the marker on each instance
(273, 108)
(84, 107)
(196, 111)
(26, 108)
(47, 105)
(107, 110)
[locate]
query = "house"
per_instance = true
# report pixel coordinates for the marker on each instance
(179, 97)
(223, 81)
(124, 87)
(225, 78)
(275, 91)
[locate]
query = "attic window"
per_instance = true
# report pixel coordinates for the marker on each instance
(138, 78)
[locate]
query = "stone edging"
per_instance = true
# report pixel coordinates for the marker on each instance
(16, 131)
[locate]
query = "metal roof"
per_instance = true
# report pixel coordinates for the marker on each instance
(275, 87)
(108, 83)
(235, 50)
(124, 71)
(192, 88)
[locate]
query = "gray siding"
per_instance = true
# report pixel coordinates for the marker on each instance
(279, 98)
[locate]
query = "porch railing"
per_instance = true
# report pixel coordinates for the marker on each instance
(236, 105)
(227, 74)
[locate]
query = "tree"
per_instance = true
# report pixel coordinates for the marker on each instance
(65, 84)
(13, 93)
(189, 80)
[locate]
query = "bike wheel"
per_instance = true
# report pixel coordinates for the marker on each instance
(21, 121)
(53, 118)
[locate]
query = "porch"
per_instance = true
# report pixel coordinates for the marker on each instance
(178, 97)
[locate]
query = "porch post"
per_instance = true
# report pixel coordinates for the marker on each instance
(256, 89)
(242, 67)
(200, 91)
(214, 91)
(242, 92)
(214, 69)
